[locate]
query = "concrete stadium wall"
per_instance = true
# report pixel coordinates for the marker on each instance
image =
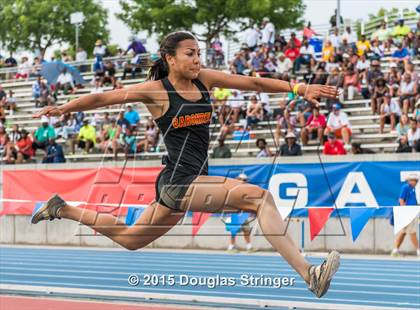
(376, 237)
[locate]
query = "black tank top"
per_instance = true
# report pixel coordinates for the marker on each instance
(185, 130)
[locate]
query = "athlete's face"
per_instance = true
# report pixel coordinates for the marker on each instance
(186, 61)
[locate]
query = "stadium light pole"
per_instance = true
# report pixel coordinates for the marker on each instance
(77, 19)
(337, 17)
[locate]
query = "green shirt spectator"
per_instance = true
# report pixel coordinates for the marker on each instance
(44, 133)
(221, 151)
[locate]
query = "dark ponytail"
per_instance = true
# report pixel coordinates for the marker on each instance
(160, 69)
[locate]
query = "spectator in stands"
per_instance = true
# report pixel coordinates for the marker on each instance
(363, 46)
(136, 46)
(408, 198)
(24, 148)
(306, 57)
(403, 146)
(107, 136)
(413, 134)
(381, 94)
(132, 67)
(10, 62)
(378, 50)
(24, 69)
(267, 32)
(81, 56)
(284, 65)
(409, 69)
(382, 33)
(292, 52)
(4, 140)
(371, 76)
(403, 126)
(350, 37)
(122, 121)
(308, 32)
(401, 54)
(236, 102)
(314, 127)
(264, 149)
(254, 113)
(109, 74)
(335, 79)
(54, 153)
(390, 113)
(333, 146)
(407, 93)
(222, 150)
(338, 124)
(42, 135)
(97, 89)
(335, 38)
(36, 89)
(327, 51)
(64, 82)
(36, 67)
(100, 49)
(10, 102)
(86, 138)
(45, 98)
(333, 19)
(3, 95)
(239, 64)
(320, 76)
(356, 148)
(290, 148)
(416, 113)
(400, 30)
(252, 36)
(393, 78)
(362, 66)
(151, 137)
(351, 82)
(129, 146)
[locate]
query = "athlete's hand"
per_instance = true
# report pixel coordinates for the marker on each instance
(49, 111)
(312, 92)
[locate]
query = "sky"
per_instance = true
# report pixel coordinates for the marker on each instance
(317, 11)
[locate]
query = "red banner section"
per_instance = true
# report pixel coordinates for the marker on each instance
(104, 189)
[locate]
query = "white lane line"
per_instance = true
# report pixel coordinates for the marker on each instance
(313, 304)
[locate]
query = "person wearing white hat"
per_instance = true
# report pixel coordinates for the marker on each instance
(290, 148)
(408, 198)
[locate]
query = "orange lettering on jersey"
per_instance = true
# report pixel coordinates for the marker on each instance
(191, 120)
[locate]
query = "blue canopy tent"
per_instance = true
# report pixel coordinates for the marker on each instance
(51, 71)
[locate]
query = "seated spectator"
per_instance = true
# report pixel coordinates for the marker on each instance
(122, 121)
(54, 153)
(290, 148)
(314, 127)
(86, 138)
(264, 149)
(129, 145)
(350, 36)
(134, 66)
(371, 76)
(390, 114)
(362, 66)
(335, 79)
(381, 94)
(67, 126)
(97, 89)
(109, 74)
(24, 69)
(356, 149)
(254, 113)
(36, 88)
(294, 40)
(382, 33)
(351, 82)
(239, 64)
(401, 54)
(333, 146)
(4, 141)
(327, 51)
(291, 52)
(363, 46)
(400, 30)
(407, 93)
(284, 121)
(222, 150)
(151, 137)
(45, 98)
(335, 38)
(81, 56)
(320, 76)
(409, 69)
(11, 152)
(42, 135)
(36, 67)
(393, 79)
(236, 102)
(64, 82)
(284, 65)
(98, 68)
(403, 146)
(338, 124)
(24, 148)
(413, 134)
(416, 113)
(378, 50)
(10, 102)
(306, 57)
(107, 136)
(403, 126)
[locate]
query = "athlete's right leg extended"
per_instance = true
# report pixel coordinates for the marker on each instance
(154, 222)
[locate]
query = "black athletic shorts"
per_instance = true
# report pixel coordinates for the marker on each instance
(171, 187)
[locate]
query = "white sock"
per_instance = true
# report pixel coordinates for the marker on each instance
(418, 252)
(395, 250)
(230, 247)
(248, 246)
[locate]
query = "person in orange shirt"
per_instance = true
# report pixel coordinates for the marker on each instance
(327, 51)
(363, 46)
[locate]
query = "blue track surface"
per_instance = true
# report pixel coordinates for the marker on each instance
(369, 282)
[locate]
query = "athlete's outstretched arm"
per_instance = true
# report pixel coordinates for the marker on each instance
(138, 92)
(214, 78)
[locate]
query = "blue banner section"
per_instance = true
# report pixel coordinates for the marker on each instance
(343, 185)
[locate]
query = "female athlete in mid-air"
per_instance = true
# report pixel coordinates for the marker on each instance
(177, 96)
